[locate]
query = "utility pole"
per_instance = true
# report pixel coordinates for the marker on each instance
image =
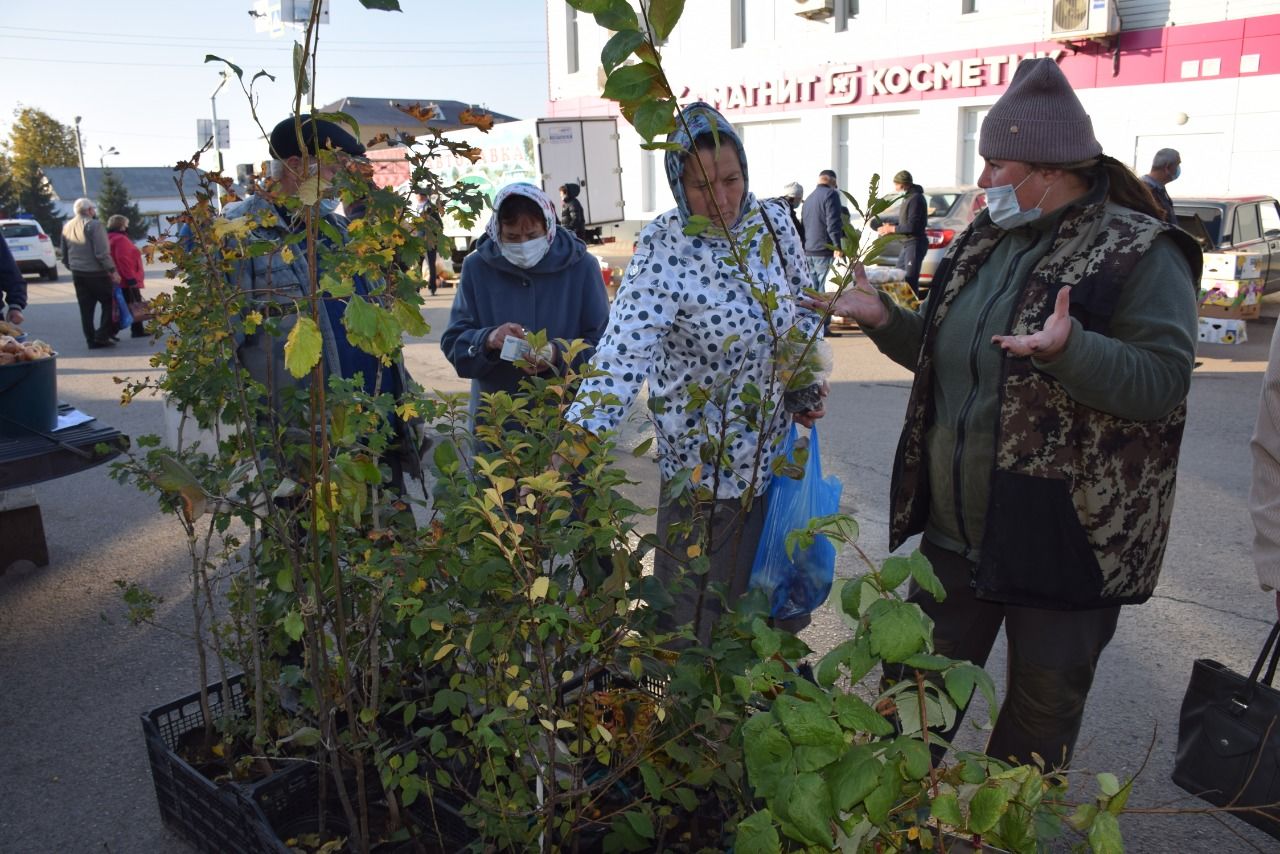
(217, 149)
(84, 185)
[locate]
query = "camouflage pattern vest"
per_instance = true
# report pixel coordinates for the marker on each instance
(1080, 500)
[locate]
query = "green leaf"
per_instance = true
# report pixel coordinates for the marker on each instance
(284, 580)
(894, 571)
(806, 723)
(663, 15)
(881, 799)
(986, 807)
(307, 736)
(1108, 784)
(768, 754)
(897, 629)
(630, 82)
(945, 809)
(382, 5)
(928, 661)
(829, 667)
(1082, 819)
(655, 118)
(652, 785)
(302, 348)
(757, 834)
(807, 804)
(852, 778)
(643, 447)
(960, 681)
(293, 625)
(922, 574)
(916, 760)
(617, 15)
(1104, 835)
(590, 6)
(856, 714)
(420, 624)
(618, 48)
(410, 318)
(300, 79)
(640, 823)
(851, 597)
(209, 57)
(1115, 804)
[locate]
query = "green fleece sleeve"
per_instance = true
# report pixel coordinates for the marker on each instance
(1142, 370)
(900, 338)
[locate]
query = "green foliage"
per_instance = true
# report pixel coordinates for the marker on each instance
(37, 139)
(113, 198)
(505, 652)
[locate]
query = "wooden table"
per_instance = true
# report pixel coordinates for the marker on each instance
(27, 460)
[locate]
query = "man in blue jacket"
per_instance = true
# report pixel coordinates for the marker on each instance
(823, 220)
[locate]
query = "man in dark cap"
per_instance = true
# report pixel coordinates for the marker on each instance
(309, 154)
(911, 224)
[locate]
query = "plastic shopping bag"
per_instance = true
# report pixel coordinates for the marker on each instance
(124, 318)
(797, 583)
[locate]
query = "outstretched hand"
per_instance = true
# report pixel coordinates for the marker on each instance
(1047, 344)
(860, 303)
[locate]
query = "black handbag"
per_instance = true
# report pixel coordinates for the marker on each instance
(1229, 738)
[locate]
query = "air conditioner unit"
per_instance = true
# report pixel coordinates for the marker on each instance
(1077, 20)
(815, 10)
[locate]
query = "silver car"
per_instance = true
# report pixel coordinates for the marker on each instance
(31, 247)
(950, 210)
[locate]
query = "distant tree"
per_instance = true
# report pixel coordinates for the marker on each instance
(35, 199)
(8, 190)
(113, 198)
(38, 139)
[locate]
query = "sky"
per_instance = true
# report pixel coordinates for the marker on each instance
(134, 70)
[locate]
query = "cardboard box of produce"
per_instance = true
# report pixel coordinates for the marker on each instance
(1231, 265)
(1215, 331)
(1230, 292)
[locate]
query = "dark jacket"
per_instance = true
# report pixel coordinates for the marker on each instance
(915, 215)
(1161, 195)
(791, 212)
(562, 295)
(12, 285)
(572, 217)
(823, 219)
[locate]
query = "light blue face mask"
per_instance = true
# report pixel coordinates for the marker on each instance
(1003, 207)
(1177, 172)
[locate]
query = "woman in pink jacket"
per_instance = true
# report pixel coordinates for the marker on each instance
(129, 264)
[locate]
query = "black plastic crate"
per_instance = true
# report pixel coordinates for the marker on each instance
(207, 815)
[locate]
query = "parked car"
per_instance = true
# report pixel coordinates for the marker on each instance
(950, 210)
(1245, 223)
(31, 247)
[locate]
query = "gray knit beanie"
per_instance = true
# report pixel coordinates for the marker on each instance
(1038, 119)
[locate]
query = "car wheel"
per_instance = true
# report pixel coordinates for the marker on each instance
(51, 273)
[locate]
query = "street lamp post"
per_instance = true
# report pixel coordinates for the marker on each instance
(103, 155)
(217, 148)
(84, 185)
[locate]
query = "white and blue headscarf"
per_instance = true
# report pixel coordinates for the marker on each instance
(701, 117)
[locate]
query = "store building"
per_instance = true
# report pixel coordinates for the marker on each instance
(874, 86)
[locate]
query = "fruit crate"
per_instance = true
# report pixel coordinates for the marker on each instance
(206, 814)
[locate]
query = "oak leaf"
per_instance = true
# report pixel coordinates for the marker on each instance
(475, 118)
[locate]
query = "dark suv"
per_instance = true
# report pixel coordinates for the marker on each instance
(1245, 223)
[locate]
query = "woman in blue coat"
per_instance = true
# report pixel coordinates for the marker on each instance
(525, 275)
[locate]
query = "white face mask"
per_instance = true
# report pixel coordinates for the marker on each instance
(1002, 205)
(527, 254)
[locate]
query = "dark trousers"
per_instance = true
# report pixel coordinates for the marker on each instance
(730, 538)
(911, 258)
(94, 290)
(1052, 659)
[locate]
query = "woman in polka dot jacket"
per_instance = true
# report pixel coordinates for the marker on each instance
(685, 319)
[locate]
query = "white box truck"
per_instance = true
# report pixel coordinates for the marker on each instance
(545, 152)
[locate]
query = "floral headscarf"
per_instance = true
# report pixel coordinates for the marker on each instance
(701, 117)
(522, 188)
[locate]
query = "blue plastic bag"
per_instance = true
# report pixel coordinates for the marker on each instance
(122, 307)
(798, 583)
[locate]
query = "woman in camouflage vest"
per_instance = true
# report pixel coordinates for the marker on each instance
(1052, 362)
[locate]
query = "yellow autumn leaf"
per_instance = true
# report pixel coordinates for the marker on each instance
(252, 321)
(286, 255)
(694, 550)
(538, 590)
(443, 651)
(302, 348)
(236, 227)
(437, 626)
(418, 585)
(407, 411)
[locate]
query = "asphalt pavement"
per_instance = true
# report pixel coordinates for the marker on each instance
(76, 676)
